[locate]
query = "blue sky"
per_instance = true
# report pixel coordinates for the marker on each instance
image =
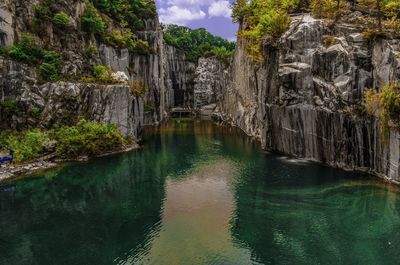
(214, 15)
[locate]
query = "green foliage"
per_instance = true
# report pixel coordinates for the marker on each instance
(61, 20)
(385, 13)
(386, 104)
(129, 12)
(265, 22)
(92, 22)
(149, 107)
(42, 12)
(9, 107)
(138, 87)
(331, 9)
(91, 50)
(240, 10)
(195, 43)
(49, 72)
(102, 73)
(28, 145)
(85, 138)
(28, 50)
(52, 57)
(221, 53)
(35, 112)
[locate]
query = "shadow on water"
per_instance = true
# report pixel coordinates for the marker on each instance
(198, 193)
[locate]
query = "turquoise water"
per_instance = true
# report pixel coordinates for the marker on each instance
(198, 193)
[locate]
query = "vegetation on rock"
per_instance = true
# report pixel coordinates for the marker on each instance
(138, 87)
(101, 74)
(197, 43)
(385, 104)
(85, 138)
(263, 22)
(61, 20)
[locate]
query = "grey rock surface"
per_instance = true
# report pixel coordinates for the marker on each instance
(301, 100)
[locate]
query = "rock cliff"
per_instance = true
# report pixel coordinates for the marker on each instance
(302, 100)
(165, 72)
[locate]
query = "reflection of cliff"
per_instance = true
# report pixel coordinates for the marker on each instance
(287, 218)
(111, 206)
(107, 207)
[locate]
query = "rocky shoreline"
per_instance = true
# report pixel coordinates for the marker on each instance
(49, 162)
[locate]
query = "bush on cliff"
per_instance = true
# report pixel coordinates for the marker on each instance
(138, 87)
(263, 22)
(61, 20)
(385, 105)
(132, 12)
(101, 74)
(85, 138)
(92, 22)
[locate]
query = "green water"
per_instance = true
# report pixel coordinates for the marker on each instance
(198, 194)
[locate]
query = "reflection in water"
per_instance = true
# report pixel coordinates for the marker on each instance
(198, 194)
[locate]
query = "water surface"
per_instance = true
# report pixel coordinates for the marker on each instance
(198, 193)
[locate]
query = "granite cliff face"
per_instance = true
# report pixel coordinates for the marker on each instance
(165, 72)
(302, 100)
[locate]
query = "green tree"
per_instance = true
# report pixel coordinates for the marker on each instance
(92, 22)
(239, 11)
(331, 9)
(61, 20)
(374, 8)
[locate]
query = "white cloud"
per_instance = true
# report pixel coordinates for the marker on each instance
(183, 11)
(220, 9)
(180, 15)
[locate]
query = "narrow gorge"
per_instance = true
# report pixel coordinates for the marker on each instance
(124, 140)
(301, 100)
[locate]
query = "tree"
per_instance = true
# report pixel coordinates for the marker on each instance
(331, 9)
(239, 11)
(374, 8)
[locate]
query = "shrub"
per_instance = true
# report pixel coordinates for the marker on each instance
(92, 22)
(35, 112)
(102, 73)
(49, 71)
(42, 12)
(27, 50)
(137, 87)
(22, 54)
(265, 22)
(29, 41)
(27, 145)
(386, 104)
(142, 47)
(86, 138)
(9, 106)
(61, 20)
(329, 40)
(149, 107)
(52, 57)
(91, 50)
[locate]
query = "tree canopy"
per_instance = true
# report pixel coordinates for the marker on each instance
(197, 43)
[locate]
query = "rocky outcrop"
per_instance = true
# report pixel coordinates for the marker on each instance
(6, 22)
(302, 100)
(66, 102)
(208, 82)
(165, 72)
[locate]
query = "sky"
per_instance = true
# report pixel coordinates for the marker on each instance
(213, 15)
